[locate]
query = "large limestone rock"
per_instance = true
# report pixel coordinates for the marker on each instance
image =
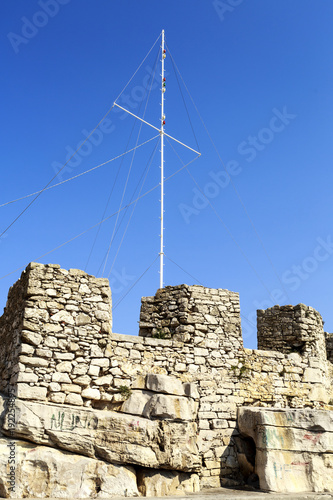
(294, 448)
(161, 406)
(164, 384)
(111, 436)
(40, 471)
(166, 483)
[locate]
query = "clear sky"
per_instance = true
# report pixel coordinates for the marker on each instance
(260, 74)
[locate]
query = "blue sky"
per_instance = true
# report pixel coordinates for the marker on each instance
(260, 74)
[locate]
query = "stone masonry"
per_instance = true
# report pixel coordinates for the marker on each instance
(57, 348)
(329, 346)
(292, 329)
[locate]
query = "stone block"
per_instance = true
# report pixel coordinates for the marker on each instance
(32, 338)
(164, 384)
(93, 370)
(291, 446)
(27, 349)
(166, 483)
(91, 394)
(102, 315)
(71, 388)
(169, 407)
(27, 377)
(102, 362)
(64, 367)
(65, 356)
(34, 361)
(61, 377)
(51, 473)
(57, 397)
(191, 390)
(80, 369)
(112, 436)
(83, 380)
(44, 353)
(25, 391)
(313, 375)
(54, 387)
(96, 352)
(83, 319)
(106, 380)
(136, 403)
(73, 399)
(63, 317)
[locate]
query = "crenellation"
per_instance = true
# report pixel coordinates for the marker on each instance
(57, 347)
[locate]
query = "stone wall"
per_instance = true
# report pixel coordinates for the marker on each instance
(65, 353)
(293, 448)
(292, 329)
(58, 323)
(11, 333)
(329, 346)
(191, 314)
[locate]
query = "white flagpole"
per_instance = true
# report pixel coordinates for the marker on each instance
(162, 163)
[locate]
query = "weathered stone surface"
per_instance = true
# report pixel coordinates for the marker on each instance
(202, 350)
(25, 391)
(41, 471)
(164, 384)
(27, 377)
(108, 435)
(34, 361)
(63, 317)
(136, 403)
(31, 337)
(91, 394)
(294, 447)
(169, 407)
(83, 319)
(166, 483)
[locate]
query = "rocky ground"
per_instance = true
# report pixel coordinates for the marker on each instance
(231, 494)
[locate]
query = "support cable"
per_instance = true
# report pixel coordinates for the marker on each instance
(129, 81)
(78, 149)
(101, 222)
(184, 102)
(82, 173)
(180, 267)
(134, 207)
(225, 226)
(232, 237)
(131, 165)
(137, 281)
(45, 187)
(195, 279)
(234, 187)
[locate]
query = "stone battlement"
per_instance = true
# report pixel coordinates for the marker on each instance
(57, 348)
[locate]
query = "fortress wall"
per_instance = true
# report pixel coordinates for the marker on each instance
(12, 332)
(193, 315)
(62, 319)
(65, 353)
(290, 329)
(329, 346)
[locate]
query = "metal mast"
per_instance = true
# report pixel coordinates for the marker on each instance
(162, 135)
(162, 162)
